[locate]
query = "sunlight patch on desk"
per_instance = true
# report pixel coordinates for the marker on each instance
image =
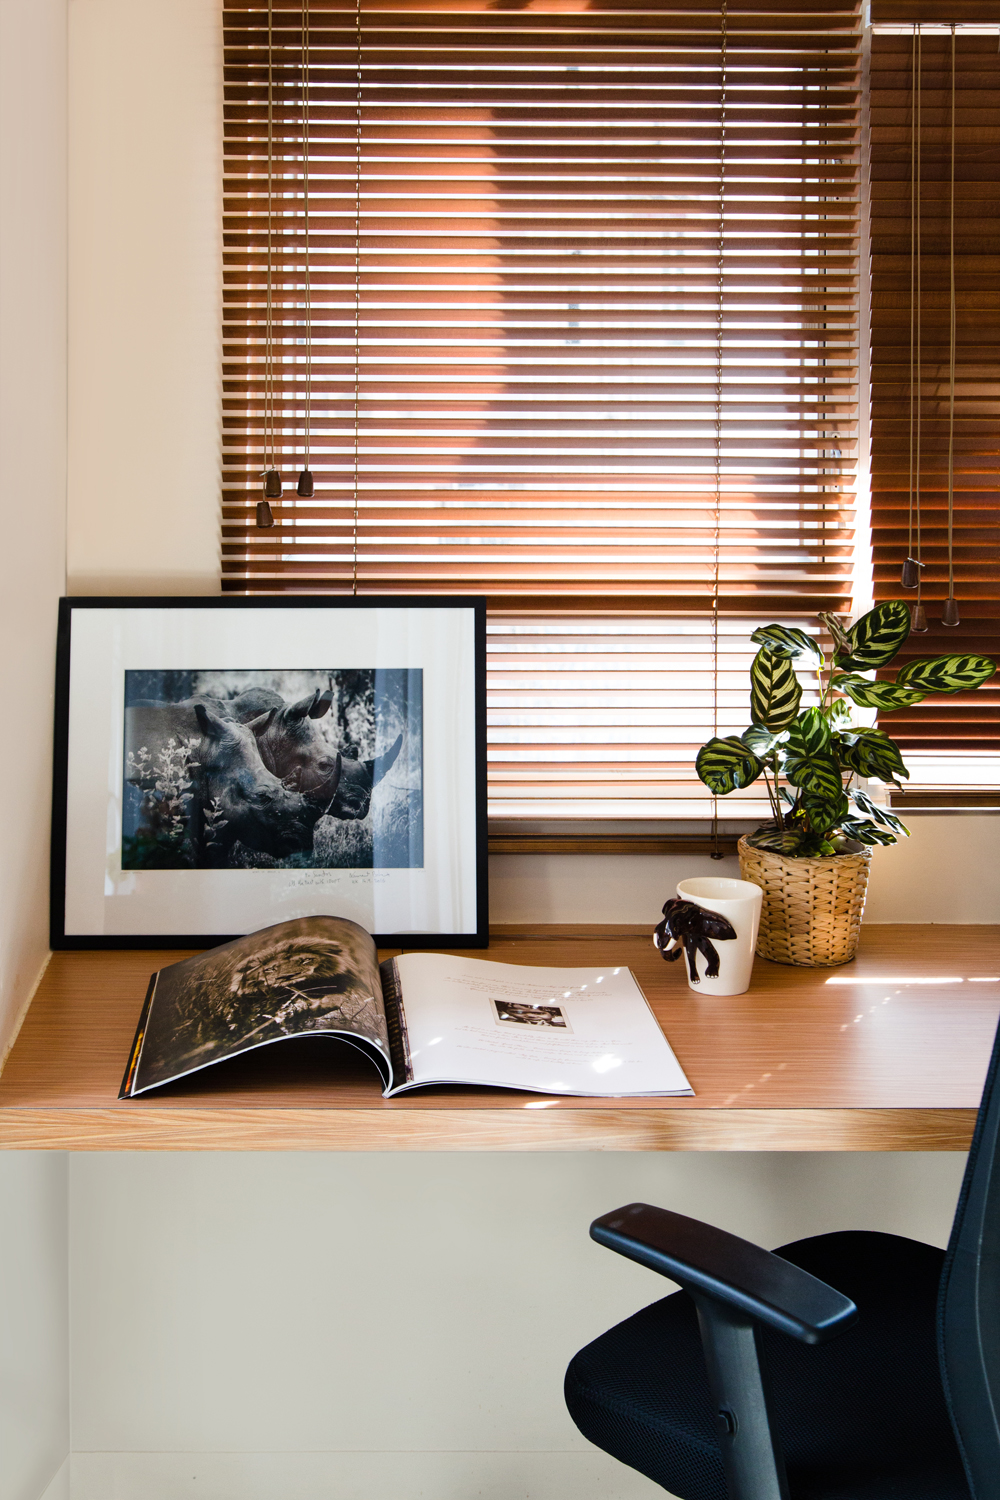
(881, 979)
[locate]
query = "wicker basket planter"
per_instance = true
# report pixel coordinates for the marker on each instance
(812, 907)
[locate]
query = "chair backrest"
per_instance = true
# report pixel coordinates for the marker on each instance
(969, 1301)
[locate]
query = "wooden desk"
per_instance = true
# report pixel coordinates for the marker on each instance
(888, 1053)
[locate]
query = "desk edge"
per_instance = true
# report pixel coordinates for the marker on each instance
(264, 1129)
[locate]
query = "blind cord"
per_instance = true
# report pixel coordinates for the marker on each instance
(917, 616)
(919, 623)
(269, 356)
(305, 205)
(910, 573)
(268, 329)
(716, 852)
(912, 565)
(949, 614)
(270, 476)
(305, 484)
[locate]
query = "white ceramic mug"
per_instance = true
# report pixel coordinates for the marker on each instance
(739, 901)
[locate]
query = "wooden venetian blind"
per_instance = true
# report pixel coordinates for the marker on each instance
(968, 722)
(583, 298)
(584, 305)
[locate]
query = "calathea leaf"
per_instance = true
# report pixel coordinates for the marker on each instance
(841, 640)
(947, 674)
(776, 840)
(870, 752)
(838, 709)
(774, 690)
(725, 765)
(881, 815)
(884, 695)
(812, 728)
(759, 740)
(824, 813)
(877, 636)
(867, 833)
(786, 640)
(813, 769)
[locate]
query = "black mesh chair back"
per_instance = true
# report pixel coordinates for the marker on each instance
(969, 1302)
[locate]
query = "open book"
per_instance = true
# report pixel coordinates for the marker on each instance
(421, 1018)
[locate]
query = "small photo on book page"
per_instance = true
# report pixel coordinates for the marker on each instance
(560, 1031)
(521, 1013)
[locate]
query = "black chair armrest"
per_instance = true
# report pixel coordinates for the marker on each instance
(712, 1263)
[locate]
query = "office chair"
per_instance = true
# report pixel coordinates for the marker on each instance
(759, 1381)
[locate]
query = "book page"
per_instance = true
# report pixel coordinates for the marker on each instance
(558, 1031)
(312, 976)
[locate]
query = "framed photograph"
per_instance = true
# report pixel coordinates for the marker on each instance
(222, 764)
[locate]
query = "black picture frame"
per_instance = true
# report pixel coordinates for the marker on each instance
(458, 621)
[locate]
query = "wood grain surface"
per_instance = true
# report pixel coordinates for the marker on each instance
(887, 1053)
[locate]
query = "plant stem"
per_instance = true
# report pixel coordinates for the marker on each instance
(770, 796)
(777, 791)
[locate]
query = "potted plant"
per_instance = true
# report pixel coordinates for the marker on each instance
(812, 857)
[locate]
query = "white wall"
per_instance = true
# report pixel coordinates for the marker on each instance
(145, 102)
(33, 445)
(34, 1329)
(34, 1320)
(946, 871)
(318, 1325)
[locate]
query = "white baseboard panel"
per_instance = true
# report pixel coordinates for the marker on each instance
(355, 1476)
(58, 1487)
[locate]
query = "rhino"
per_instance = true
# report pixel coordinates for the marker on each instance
(339, 783)
(234, 797)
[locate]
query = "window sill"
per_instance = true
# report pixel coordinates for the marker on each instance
(581, 836)
(924, 800)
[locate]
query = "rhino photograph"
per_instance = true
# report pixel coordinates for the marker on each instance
(292, 769)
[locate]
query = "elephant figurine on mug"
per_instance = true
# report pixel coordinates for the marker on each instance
(691, 927)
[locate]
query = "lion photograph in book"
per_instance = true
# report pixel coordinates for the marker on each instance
(293, 769)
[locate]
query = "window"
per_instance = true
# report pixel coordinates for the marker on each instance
(583, 289)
